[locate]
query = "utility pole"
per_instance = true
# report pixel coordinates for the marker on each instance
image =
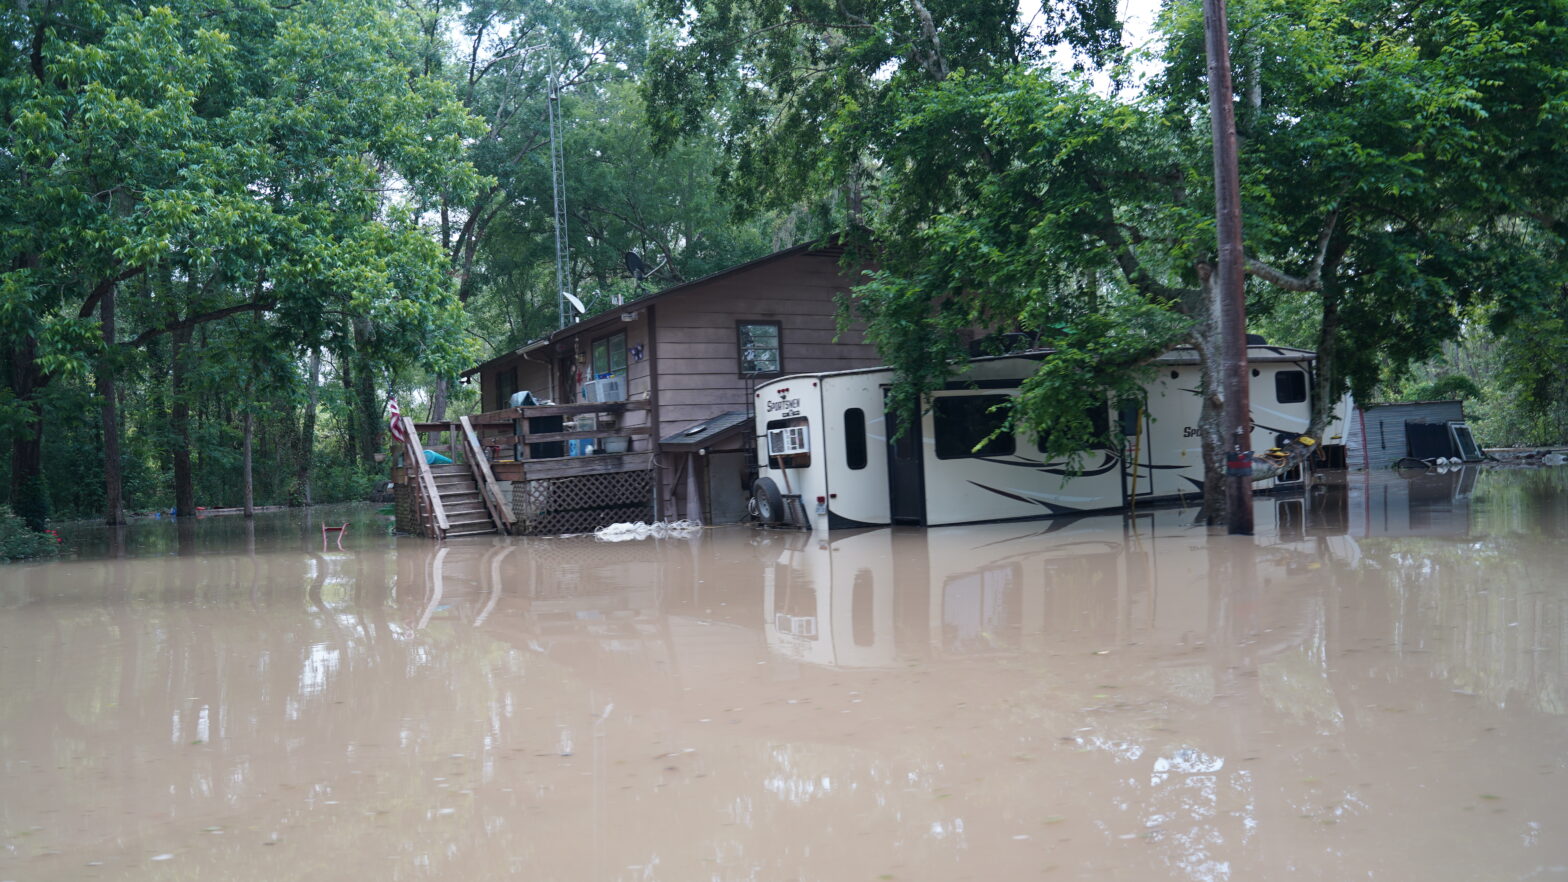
(563, 277)
(1231, 321)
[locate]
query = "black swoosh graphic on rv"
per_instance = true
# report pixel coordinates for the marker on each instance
(1059, 468)
(1051, 506)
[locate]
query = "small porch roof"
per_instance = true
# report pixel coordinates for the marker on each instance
(708, 432)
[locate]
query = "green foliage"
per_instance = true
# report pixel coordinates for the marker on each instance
(1412, 147)
(806, 90)
(1445, 388)
(212, 165)
(1000, 211)
(18, 541)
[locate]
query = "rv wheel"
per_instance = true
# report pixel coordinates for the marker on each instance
(768, 501)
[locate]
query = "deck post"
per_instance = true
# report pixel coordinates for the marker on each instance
(693, 497)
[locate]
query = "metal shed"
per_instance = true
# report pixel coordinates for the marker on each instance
(1378, 437)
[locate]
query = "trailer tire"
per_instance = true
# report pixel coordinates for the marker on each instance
(768, 501)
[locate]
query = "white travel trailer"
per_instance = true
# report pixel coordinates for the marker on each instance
(829, 455)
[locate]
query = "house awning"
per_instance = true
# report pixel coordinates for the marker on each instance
(709, 432)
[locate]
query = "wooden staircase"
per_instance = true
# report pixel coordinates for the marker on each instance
(460, 498)
(466, 512)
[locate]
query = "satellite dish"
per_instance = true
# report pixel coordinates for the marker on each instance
(576, 304)
(635, 266)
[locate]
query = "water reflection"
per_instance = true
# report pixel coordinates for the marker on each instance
(1372, 687)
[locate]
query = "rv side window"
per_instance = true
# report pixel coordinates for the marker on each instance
(1099, 427)
(855, 437)
(963, 421)
(1290, 387)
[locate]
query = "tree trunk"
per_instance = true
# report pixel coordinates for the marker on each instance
(29, 493)
(1325, 376)
(1229, 278)
(345, 368)
(113, 484)
(1211, 411)
(438, 398)
(365, 401)
(180, 426)
(307, 433)
(247, 484)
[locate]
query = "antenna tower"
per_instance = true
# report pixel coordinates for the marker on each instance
(563, 279)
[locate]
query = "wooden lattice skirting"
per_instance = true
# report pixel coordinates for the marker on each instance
(582, 504)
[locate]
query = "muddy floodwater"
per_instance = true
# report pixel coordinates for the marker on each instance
(1373, 687)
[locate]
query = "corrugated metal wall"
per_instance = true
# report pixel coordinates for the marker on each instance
(1377, 431)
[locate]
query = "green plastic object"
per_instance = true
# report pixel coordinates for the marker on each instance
(433, 458)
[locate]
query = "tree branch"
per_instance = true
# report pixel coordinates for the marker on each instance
(933, 61)
(193, 321)
(1313, 280)
(103, 288)
(1110, 233)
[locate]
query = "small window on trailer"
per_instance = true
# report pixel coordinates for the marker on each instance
(855, 438)
(1290, 387)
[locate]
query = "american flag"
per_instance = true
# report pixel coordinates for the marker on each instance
(395, 421)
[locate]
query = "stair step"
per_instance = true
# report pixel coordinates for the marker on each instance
(451, 534)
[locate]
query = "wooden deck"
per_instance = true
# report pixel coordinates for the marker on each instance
(565, 493)
(505, 435)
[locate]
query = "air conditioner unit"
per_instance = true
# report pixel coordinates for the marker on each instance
(605, 389)
(788, 440)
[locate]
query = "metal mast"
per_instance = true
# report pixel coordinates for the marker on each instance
(563, 278)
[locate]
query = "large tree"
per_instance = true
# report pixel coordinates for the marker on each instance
(216, 152)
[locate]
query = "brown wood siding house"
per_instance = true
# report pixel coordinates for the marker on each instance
(683, 352)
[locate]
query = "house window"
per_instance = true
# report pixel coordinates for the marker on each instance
(609, 356)
(855, 438)
(962, 421)
(1290, 387)
(760, 352)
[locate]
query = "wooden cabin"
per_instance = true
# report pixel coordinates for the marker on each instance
(650, 403)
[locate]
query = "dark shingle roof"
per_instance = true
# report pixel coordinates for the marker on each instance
(708, 432)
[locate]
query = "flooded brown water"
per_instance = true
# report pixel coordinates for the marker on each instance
(1374, 687)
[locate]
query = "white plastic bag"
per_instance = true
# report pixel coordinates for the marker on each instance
(640, 530)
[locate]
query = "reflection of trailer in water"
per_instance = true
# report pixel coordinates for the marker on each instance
(830, 455)
(881, 598)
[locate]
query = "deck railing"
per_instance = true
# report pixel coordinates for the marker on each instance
(510, 443)
(427, 500)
